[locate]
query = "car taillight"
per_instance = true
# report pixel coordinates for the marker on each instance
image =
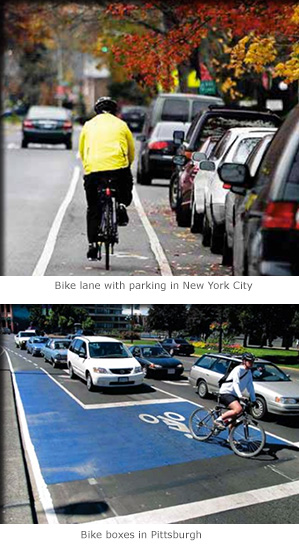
(188, 154)
(158, 145)
(108, 191)
(226, 186)
(281, 215)
(28, 124)
(67, 124)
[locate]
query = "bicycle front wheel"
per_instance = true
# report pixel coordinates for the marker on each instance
(247, 439)
(201, 424)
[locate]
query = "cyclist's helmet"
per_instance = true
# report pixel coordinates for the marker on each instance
(247, 356)
(105, 104)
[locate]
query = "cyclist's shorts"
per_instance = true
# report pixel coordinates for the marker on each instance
(227, 399)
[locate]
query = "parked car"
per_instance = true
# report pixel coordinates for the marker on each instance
(22, 337)
(177, 346)
(235, 146)
(5, 330)
(235, 207)
(55, 351)
(215, 121)
(176, 107)
(47, 125)
(103, 362)
(156, 361)
(156, 152)
(36, 344)
(134, 116)
(275, 391)
(271, 218)
(185, 214)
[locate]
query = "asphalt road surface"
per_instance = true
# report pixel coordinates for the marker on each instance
(45, 230)
(127, 456)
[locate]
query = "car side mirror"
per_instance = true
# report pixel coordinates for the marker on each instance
(141, 138)
(237, 175)
(82, 355)
(208, 166)
(197, 156)
(179, 160)
(178, 137)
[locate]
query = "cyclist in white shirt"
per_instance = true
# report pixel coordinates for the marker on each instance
(231, 391)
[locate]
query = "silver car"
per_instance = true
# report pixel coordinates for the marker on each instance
(275, 391)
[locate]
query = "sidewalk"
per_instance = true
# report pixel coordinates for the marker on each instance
(15, 504)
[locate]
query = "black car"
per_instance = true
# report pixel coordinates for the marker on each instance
(177, 346)
(215, 121)
(156, 152)
(47, 125)
(271, 215)
(156, 361)
(134, 116)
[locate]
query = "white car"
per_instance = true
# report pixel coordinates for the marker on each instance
(22, 337)
(235, 146)
(103, 362)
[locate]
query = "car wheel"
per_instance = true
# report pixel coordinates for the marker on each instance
(53, 363)
(227, 252)
(206, 232)
(147, 372)
(216, 239)
(71, 372)
(202, 389)
(143, 177)
(183, 217)
(196, 220)
(171, 352)
(89, 382)
(24, 143)
(260, 411)
(69, 144)
(173, 192)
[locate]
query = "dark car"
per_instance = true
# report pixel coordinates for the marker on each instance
(271, 215)
(156, 152)
(178, 346)
(157, 362)
(215, 122)
(47, 125)
(134, 116)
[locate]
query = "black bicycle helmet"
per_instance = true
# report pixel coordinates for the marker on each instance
(105, 104)
(247, 356)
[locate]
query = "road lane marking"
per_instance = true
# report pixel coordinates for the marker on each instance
(47, 252)
(199, 509)
(42, 488)
(153, 238)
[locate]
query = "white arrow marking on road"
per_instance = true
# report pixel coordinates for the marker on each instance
(153, 238)
(46, 255)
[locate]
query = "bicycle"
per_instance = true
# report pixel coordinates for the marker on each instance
(246, 437)
(108, 229)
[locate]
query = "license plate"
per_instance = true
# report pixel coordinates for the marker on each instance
(171, 371)
(123, 379)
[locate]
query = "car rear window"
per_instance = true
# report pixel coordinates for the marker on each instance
(48, 113)
(202, 105)
(292, 186)
(175, 109)
(217, 125)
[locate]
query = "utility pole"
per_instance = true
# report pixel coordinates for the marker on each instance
(220, 330)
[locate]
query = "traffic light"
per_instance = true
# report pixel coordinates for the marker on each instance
(104, 49)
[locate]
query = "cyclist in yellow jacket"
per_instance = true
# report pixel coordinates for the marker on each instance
(106, 148)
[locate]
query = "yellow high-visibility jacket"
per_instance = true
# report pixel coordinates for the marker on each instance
(106, 143)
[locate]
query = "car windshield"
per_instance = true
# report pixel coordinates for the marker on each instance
(62, 344)
(264, 372)
(181, 340)
(27, 334)
(108, 350)
(47, 112)
(40, 340)
(154, 351)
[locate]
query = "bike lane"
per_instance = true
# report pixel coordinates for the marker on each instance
(115, 461)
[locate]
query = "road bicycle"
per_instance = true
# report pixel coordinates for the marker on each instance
(246, 436)
(108, 229)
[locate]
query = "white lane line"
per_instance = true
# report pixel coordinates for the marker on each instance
(153, 238)
(41, 485)
(130, 403)
(199, 509)
(46, 255)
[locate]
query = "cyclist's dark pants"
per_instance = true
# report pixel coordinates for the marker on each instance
(122, 182)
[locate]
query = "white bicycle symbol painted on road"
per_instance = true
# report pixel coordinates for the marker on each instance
(174, 421)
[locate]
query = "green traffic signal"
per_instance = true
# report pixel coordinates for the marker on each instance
(105, 49)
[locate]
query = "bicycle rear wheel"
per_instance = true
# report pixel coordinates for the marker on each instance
(247, 439)
(201, 424)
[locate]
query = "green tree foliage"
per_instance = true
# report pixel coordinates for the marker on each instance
(167, 317)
